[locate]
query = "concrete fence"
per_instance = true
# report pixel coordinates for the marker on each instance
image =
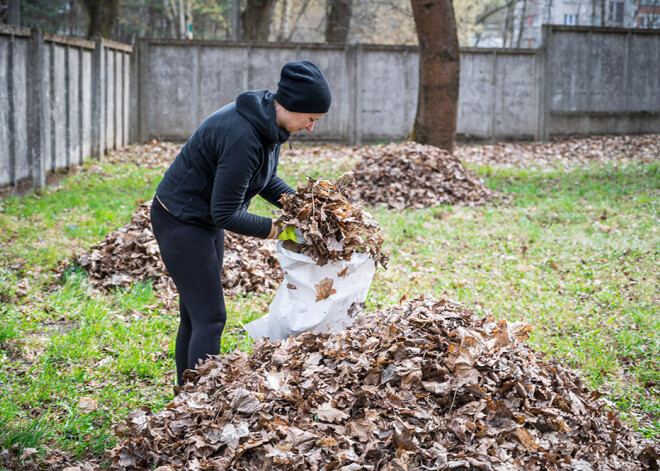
(67, 99)
(62, 100)
(582, 81)
(374, 87)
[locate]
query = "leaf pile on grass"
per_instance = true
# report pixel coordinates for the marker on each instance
(426, 385)
(334, 229)
(563, 151)
(412, 175)
(156, 154)
(131, 254)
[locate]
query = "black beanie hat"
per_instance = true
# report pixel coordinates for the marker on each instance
(303, 88)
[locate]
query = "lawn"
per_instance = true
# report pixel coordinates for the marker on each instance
(573, 251)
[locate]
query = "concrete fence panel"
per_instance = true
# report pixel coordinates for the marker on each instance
(5, 112)
(601, 80)
(643, 73)
(388, 92)
(222, 72)
(19, 109)
(85, 74)
(53, 104)
(110, 102)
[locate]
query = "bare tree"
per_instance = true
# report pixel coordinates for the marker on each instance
(338, 21)
(439, 73)
(256, 19)
(102, 16)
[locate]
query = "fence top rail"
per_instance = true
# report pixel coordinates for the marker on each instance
(225, 43)
(293, 45)
(600, 29)
(11, 30)
(109, 44)
(69, 41)
(499, 50)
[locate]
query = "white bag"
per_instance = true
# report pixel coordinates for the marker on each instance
(295, 308)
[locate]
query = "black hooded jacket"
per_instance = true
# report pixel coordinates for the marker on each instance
(229, 159)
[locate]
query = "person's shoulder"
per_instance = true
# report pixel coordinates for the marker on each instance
(227, 125)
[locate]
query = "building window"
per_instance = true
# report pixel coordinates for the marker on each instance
(570, 19)
(650, 3)
(616, 12)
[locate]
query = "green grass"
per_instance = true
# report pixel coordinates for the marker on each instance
(574, 253)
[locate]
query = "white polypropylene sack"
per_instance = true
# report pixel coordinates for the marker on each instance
(296, 310)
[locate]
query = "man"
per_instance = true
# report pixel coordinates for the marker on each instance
(230, 158)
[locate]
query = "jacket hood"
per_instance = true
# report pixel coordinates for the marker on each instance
(258, 108)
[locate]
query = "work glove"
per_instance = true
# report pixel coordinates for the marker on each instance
(293, 234)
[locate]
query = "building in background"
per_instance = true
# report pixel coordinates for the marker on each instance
(518, 23)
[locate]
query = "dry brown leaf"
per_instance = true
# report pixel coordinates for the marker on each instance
(527, 439)
(327, 413)
(324, 289)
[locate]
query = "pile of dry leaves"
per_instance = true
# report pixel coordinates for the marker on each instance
(411, 175)
(156, 154)
(334, 229)
(131, 254)
(426, 385)
(563, 151)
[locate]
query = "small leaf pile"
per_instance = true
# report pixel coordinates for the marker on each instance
(131, 254)
(563, 152)
(333, 228)
(156, 154)
(411, 175)
(426, 385)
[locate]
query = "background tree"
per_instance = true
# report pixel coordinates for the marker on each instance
(102, 17)
(439, 73)
(256, 20)
(338, 21)
(14, 12)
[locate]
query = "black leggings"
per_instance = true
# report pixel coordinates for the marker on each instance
(193, 256)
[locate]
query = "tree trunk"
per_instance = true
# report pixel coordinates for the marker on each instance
(14, 13)
(102, 16)
(284, 21)
(522, 23)
(508, 24)
(339, 21)
(256, 20)
(439, 73)
(236, 33)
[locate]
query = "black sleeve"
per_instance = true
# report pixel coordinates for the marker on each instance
(236, 166)
(274, 190)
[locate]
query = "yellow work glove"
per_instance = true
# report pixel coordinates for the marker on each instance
(293, 234)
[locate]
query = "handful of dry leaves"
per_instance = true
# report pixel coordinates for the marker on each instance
(333, 228)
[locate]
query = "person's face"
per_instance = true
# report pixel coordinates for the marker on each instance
(294, 122)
